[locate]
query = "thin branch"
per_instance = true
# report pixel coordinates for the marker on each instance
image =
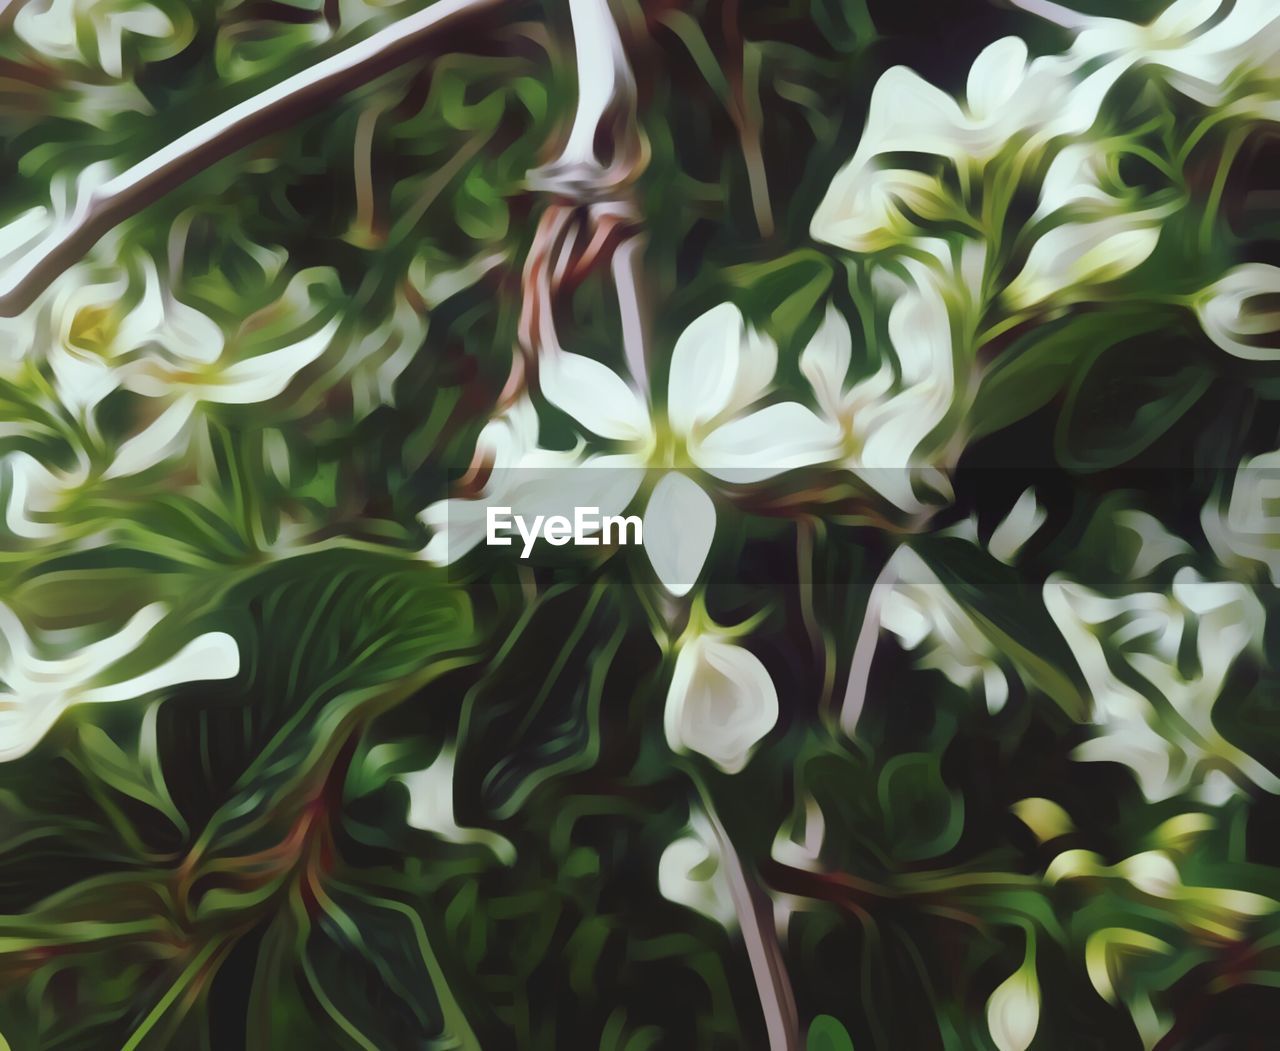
(855, 693)
(592, 220)
(9, 11)
(277, 107)
(755, 919)
(1056, 13)
(744, 107)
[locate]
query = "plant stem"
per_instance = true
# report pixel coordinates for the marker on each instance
(755, 919)
(1053, 12)
(593, 218)
(855, 693)
(280, 106)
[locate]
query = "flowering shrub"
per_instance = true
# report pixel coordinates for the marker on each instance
(932, 349)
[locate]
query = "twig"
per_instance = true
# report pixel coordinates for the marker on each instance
(1056, 13)
(8, 11)
(592, 219)
(746, 118)
(755, 919)
(855, 693)
(277, 107)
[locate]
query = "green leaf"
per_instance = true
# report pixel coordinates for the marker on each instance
(1030, 374)
(828, 1034)
(1131, 394)
(923, 817)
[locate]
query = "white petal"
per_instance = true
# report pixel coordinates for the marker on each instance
(690, 873)
(718, 366)
(24, 721)
(265, 376)
(679, 525)
(907, 114)
(211, 656)
(1077, 254)
(456, 527)
(431, 808)
(1234, 314)
(1074, 176)
(995, 77)
(864, 208)
(164, 437)
(825, 362)
(1013, 1012)
(1019, 525)
(768, 442)
(594, 395)
(721, 702)
(1152, 872)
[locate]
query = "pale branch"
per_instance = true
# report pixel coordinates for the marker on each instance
(755, 919)
(591, 220)
(1050, 11)
(106, 206)
(605, 115)
(855, 693)
(8, 12)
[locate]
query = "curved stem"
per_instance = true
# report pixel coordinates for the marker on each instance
(277, 107)
(1058, 14)
(755, 919)
(8, 12)
(855, 693)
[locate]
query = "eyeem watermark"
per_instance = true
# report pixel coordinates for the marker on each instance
(587, 528)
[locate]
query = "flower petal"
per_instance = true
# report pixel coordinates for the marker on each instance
(595, 396)
(1013, 1012)
(995, 76)
(265, 376)
(1239, 314)
(768, 442)
(690, 873)
(1080, 254)
(679, 525)
(825, 362)
(718, 366)
(721, 702)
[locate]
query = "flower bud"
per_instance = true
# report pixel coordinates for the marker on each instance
(1241, 312)
(721, 702)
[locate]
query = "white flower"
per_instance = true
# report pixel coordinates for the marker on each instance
(36, 691)
(1009, 99)
(1164, 731)
(1241, 312)
(866, 208)
(922, 614)
(1249, 530)
(37, 495)
(59, 28)
(1013, 1011)
(799, 840)
(202, 378)
(1206, 49)
(431, 808)
(884, 420)
(713, 423)
(721, 702)
(691, 873)
(1068, 260)
(98, 338)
